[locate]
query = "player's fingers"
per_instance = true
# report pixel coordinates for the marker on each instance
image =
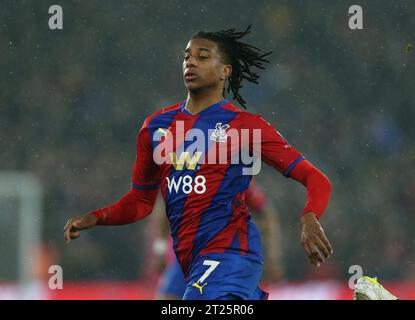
(75, 234)
(306, 248)
(326, 242)
(77, 225)
(314, 261)
(315, 253)
(66, 225)
(311, 258)
(67, 229)
(322, 247)
(312, 252)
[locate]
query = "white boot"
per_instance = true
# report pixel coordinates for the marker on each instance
(370, 289)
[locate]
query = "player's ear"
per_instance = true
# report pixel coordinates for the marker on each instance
(226, 72)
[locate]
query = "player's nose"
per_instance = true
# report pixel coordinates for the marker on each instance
(190, 62)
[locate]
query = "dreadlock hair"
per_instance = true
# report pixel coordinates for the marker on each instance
(241, 56)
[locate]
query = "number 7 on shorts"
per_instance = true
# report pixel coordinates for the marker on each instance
(212, 266)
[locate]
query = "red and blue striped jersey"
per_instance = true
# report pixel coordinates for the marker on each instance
(205, 200)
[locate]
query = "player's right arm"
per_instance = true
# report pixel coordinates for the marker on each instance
(136, 204)
(277, 152)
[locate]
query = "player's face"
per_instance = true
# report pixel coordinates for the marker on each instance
(203, 67)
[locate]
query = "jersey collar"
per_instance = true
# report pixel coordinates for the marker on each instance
(208, 109)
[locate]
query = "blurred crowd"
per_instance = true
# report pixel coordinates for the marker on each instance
(72, 101)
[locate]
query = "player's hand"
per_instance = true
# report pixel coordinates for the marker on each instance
(314, 240)
(76, 224)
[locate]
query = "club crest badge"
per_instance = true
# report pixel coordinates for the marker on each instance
(219, 135)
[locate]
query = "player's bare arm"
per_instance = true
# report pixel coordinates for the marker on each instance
(135, 205)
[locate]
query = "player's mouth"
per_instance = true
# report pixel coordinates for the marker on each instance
(190, 76)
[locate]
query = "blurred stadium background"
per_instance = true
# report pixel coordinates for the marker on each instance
(72, 100)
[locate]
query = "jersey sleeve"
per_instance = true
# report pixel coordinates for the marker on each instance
(273, 148)
(146, 173)
(318, 187)
(277, 152)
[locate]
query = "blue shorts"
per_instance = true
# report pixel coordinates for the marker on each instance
(224, 276)
(173, 282)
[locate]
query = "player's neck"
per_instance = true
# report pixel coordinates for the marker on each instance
(196, 103)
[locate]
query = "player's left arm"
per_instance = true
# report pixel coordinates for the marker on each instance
(277, 152)
(313, 238)
(136, 204)
(139, 202)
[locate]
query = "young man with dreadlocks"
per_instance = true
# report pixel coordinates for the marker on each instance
(214, 238)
